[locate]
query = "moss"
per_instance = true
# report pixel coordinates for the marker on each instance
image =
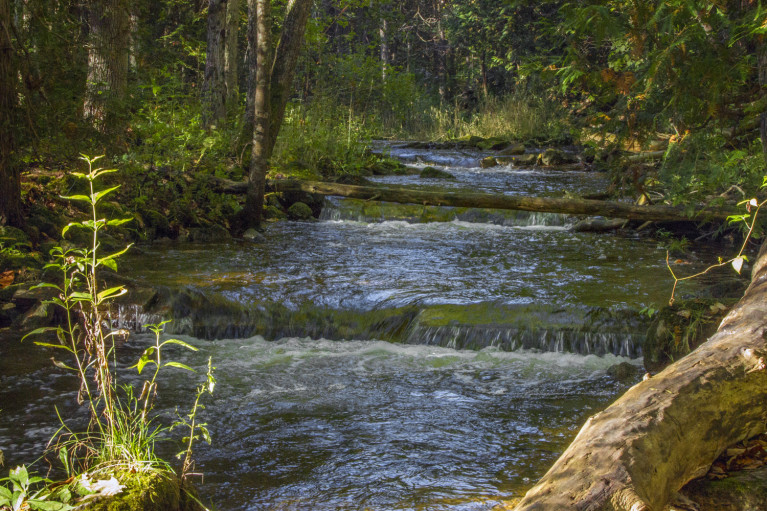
(146, 491)
(434, 173)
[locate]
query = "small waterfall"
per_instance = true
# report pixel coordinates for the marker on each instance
(582, 342)
(463, 327)
(355, 210)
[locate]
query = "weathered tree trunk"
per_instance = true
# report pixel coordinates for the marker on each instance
(214, 85)
(108, 61)
(10, 188)
(491, 201)
(667, 430)
(259, 161)
(284, 66)
(231, 56)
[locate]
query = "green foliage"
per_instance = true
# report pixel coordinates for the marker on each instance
(697, 166)
(24, 491)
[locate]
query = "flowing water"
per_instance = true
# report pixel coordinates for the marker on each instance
(386, 357)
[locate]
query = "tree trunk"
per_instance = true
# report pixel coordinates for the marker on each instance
(259, 161)
(284, 66)
(214, 85)
(108, 60)
(384, 49)
(490, 201)
(10, 187)
(668, 430)
(251, 61)
(231, 57)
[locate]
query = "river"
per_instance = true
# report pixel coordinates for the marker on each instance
(385, 357)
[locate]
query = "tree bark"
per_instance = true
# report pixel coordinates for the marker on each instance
(251, 61)
(231, 56)
(108, 61)
(10, 187)
(668, 430)
(284, 66)
(484, 200)
(259, 160)
(214, 85)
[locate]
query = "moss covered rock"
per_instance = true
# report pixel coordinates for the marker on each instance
(434, 173)
(299, 211)
(146, 491)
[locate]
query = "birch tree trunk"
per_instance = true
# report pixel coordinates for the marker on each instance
(108, 61)
(214, 86)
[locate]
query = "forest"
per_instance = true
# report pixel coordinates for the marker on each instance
(146, 129)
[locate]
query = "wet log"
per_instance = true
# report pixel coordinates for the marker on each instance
(669, 429)
(568, 206)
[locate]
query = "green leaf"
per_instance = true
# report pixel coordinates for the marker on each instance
(46, 284)
(179, 365)
(64, 459)
(79, 296)
(103, 193)
(69, 225)
(119, 221)
(83, 198)
(113, 256)
(41, 330)
(21, 475)
(180, 343)
(45, 505)
(101, 172)
(5, 496)
(111, 264)
(112, 292)
(50, 345)
(62, 365)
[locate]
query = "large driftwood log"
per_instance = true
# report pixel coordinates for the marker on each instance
(498, 201)
(667, 430)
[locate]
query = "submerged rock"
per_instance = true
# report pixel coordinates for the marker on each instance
(557, 157)
(623, 371)
(434, 173)
(254, 236)
(513, 150)
(488, 162)
(598, 224)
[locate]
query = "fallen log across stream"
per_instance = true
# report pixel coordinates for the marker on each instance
(669, 429)
(568, 206)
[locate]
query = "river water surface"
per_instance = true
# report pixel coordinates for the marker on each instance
(505, 325)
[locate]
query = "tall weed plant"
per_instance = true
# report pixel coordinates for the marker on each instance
(122, 430)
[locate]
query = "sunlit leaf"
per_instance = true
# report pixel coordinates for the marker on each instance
(83, 198)
(179, 365)
(62, 365)
(112, 292)
(737, 263)
(180, 343)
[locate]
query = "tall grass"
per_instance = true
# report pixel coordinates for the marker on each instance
(514, 116)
